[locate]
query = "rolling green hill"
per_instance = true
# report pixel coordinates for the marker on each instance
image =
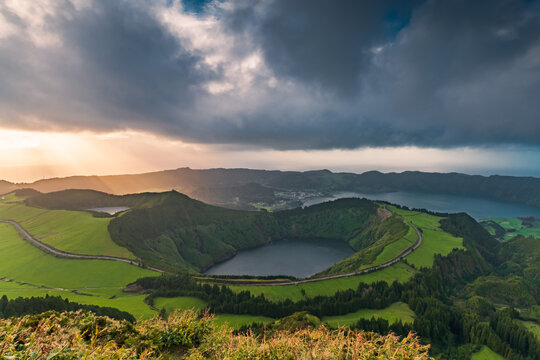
(27, 271)
(184, 233)
(505, 229)
(431, 291)
(71, 231)
(177, 233)
(395, 312)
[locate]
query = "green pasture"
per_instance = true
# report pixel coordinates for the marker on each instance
(393, 250)
(398, 272)
(133, 304)
(395, 312)
(72, 231)
(26, 271)
(10, 198)
(237, 321)
(179, 303)
(489, 229)
(486, 354)
(434, 239)
(508, 223)
(23, 262)
(513, 227)
(532, 326)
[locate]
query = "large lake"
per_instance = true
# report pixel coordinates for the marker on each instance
(303, 259)
(476, 207)
(297, 258)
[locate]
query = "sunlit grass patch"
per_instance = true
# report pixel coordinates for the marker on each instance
(72, 231)
(395, 312)
(434, 239)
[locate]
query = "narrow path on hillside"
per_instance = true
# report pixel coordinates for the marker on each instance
(386, 264)
(53, 251)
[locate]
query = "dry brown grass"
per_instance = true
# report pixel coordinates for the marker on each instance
(320, 343)
(186, 335)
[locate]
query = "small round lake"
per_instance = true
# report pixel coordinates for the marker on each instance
(111, 210)
(295, 258)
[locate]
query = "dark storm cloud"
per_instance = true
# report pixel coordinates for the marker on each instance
(324, 43)
(115, 66)
(345, 73)
(470, 69)
(434, 73)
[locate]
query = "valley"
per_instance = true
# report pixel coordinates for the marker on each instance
(269, 180)
(391, 248)
(87, 276)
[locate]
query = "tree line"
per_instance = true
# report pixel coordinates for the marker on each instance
(450, 328)
(37, 305)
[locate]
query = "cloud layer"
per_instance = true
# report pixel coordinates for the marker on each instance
(305, 74)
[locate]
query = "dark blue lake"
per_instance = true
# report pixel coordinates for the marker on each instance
(303, 259)
(297, 258)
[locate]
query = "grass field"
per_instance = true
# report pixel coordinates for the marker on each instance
(393, 250)
(486, 354)
(395, 312)
(133, 304)
(102, 281)
(434, 239)
(72, 231)
(23, 262)
(179, 303)
(513, 227)
(400, 272)
(508, 223)
(237, 321)
(532, 326)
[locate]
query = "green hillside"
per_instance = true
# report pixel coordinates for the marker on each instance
(486, 353)
(27, 271)
(454, 290)
(505, 229)
(23, 262)
(377, 243)
(174, 232)
(435, 240)
(182, 233)
(395, 312)
(71, 231)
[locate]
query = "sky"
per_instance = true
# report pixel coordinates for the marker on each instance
(128, 86)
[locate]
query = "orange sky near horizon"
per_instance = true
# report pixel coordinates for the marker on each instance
(27, 156)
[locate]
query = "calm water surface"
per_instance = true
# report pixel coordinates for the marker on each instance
(477, 208)
(303, 259)
(111, 210)
(297, 258)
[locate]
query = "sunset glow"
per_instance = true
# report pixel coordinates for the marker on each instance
(28, 156)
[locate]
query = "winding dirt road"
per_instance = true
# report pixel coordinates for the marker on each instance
(398, 258)
(53, 251)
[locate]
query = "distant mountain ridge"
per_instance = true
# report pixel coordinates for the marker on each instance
(207, 184)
